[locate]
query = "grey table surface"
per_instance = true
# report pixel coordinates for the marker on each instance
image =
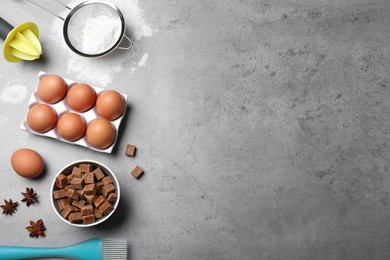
(262, 127)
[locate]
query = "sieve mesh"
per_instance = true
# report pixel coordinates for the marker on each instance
(93, 29)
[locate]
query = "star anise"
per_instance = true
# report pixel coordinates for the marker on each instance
(36, 229)
(9, 207)
(30, 197)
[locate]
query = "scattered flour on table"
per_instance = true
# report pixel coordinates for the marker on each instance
(14, 93)
(143, 60)
(4, 120)
(135, 19)
(100, 71)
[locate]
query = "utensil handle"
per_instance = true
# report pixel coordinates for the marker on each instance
(5, 28)
(126, 47)
(50, 11)
(62, 4)
(18, 252)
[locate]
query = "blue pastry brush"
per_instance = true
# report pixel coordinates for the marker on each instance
(93, 249)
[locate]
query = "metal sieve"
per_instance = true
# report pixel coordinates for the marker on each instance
(72, 28)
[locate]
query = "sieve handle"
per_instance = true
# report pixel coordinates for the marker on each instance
(62, 4)
(129, 42)
(50, 11)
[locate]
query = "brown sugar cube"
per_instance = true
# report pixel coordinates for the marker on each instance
(58, 194)
(61, 181)
(106, 207)
(85, 167)
(63, 202)
(98, 213)
(99, 201)
(90, 198)
(90, 189)
(99, 186)
(77, 183)
(78, 203)
(89, 178)
(75, 217)
(87, 210)
(76, 209)
(107, 189)
(69, 178)
(73, 194)
(88, 219)
(81, 192)
(137, 172)
(76, 172)
(81, 203)
(66, 211)
(68, 187)
(98, 174)
(130, 150)
(112, 197)
(72, 208)
(107, 180)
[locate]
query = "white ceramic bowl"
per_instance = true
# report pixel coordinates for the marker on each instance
(67, 170)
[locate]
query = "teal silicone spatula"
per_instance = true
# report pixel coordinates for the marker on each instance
(93, 249)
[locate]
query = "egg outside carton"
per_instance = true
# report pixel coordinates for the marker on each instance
(61, 108)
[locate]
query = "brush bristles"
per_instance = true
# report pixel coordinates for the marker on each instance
(114, 249)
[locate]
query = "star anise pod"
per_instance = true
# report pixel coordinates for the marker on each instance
(30, 197)
(36, 229)
(9, 207)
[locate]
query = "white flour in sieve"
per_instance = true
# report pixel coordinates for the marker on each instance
(102, 71)
(94, 28)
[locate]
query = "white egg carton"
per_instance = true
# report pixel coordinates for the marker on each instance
(62, 107)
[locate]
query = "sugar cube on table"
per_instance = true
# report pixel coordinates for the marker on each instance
(130, 150)
(137, 172)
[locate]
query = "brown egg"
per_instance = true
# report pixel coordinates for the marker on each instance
(27, 163)
(110, 104)
(81, 97)
(71, 126)
(100, 133)
(51, 89)
(41, 118)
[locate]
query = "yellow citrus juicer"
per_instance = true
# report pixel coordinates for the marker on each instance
(21, 42)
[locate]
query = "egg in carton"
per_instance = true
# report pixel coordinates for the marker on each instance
(62, 107)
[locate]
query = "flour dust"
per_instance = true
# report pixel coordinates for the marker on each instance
(13, 93)
(101, 71)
